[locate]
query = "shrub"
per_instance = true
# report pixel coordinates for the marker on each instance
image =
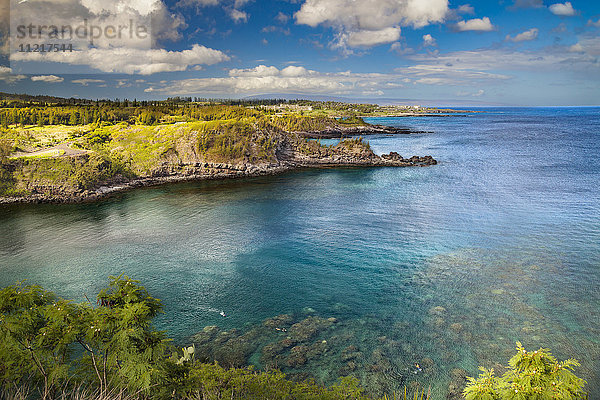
(69, 350)
(533, 375)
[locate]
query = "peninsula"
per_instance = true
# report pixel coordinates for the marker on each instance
(66, 150)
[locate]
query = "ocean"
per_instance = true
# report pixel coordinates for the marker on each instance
(382, 268)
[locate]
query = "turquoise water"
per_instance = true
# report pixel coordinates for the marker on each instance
(445, 266)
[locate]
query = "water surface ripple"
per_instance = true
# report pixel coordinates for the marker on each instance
(446, 266)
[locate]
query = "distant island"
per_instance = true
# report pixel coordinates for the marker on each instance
(70, 150)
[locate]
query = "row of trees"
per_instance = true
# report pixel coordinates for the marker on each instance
(147, 115)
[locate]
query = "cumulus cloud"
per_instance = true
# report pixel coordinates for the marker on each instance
(131, 61)
(198, 3)
(476, 24)
(47, 78)
(531, 34)
(483, 62)
(128, 52)
(370, 22)
(7, 76)
(238, 16)
(564, 10)
(282, 18)
(588, 46)
(262, 78)
(4, 27)
(87, 82)
(594, 23)
(371, 38)
(429, 40)
(460, 69)
(401, 48)
(478, 93)
(465, 9)
(297, 79)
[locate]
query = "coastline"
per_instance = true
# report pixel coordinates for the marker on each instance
(219, 171)
(362, 130)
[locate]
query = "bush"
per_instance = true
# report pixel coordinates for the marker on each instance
(60, 347)
(40, 335)
(533, 375)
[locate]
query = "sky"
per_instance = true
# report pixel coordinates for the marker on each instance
(506, 52)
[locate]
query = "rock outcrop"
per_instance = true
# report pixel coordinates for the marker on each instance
(361, 130)
(291, 152)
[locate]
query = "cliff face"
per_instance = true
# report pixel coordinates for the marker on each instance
(139, 156)
(340, 131)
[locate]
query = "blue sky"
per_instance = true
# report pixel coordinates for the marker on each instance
(523, 52)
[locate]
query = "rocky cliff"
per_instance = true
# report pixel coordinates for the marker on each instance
(183, 156)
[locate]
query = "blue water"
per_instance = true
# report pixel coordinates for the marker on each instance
(445, 266)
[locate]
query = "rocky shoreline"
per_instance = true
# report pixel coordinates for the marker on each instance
(170, 173)
(364, 130)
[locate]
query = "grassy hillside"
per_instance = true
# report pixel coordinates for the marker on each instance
(100, 143)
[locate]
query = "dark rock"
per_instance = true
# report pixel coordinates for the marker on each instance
(458, 382)
(308, 328)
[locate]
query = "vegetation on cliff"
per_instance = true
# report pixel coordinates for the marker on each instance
(55, 148)
(532, 375)
(56, 346)
(60, 349)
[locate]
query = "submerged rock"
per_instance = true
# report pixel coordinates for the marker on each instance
(308, 328)
(458, 381)
(279, 321)
(437, 310)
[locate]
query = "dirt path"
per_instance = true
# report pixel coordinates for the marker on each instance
(67, 151)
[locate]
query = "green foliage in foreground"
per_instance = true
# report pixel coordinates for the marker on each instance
(58, 346)
(533, 375)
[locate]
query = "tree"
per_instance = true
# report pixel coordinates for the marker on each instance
(40, 334)
(533, 375)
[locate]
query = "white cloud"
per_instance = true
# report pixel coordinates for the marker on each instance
(128, 54)
(565, 10)
(4, 27)
(474, 70)
(7, 76)
(478, 93)
(429, 40)
(131, 61)
(485, 62)
(588, 46)
(199, 3)
(401, 48)
(259, 71)
(576, 48)
(142, 7)
(238, 16)
(282, 18)
(370, 22)
(294, 79)
(466, 9)
(240, 3)
(87, 82)
(531, 34)
(295, 71)
(592, 23)
(47, 78)
(475, 24)
(371, 38)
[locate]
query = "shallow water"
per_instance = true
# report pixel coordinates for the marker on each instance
(445, 266)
